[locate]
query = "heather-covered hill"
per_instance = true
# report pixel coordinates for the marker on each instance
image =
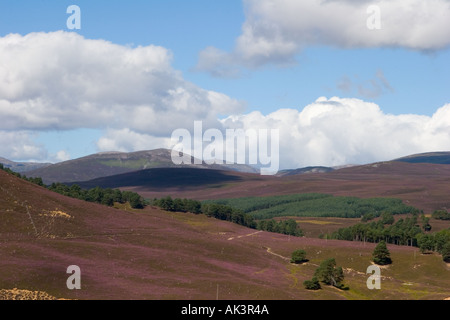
(152, 254)
(428, 157)
(422, 185)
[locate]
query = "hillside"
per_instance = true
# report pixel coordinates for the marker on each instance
(151, 254)
(424, 186)
(306, 170)
(22, 167)
(167, 179)
(112, 163)
(429, 157)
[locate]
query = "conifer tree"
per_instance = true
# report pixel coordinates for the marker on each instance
(381, 254)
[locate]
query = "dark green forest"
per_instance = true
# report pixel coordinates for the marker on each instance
(315, 205)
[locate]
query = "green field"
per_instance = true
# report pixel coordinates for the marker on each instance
(315, 205)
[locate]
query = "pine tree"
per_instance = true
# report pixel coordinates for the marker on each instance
(425, 242)
(329, 274)
(381, 254)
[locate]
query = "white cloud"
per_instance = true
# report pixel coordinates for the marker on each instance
(126, 140)
(62, 155)
(340, 131)
(276, 30)
(20, 145)
(62, 81)
(327, 132)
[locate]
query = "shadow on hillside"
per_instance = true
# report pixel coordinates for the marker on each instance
(162, 178)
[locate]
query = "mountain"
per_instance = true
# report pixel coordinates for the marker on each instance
(423, 185)
(22, 167)
(429, 157)
(164, 178)
(152, 254)
(306, 170)
(112, 163)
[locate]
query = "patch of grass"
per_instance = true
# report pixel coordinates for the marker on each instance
(320, 222)
(130, 164)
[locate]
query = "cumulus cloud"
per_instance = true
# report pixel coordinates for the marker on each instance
(62, 155)
(340, 131)
(62, 81)
(126, 140)
(21, 145)
(276, 30)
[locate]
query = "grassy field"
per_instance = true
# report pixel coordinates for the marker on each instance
(314, 227)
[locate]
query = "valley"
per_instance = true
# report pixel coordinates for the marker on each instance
(153, 254)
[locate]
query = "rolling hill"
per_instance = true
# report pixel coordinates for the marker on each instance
(429, 157)
(152, 254)
(22, 167)
(422, 185)
(112, 163)
(305, 170)
(164, 178)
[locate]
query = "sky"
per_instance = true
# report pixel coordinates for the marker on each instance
(344, 82)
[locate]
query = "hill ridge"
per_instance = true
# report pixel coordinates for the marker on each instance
(112, 163)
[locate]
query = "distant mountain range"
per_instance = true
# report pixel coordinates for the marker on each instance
(22, 167)
(113, 163)
(306, 170)
(429, 157)
(107, 164)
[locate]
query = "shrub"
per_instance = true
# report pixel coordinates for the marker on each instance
(298, 256)
(312, 284)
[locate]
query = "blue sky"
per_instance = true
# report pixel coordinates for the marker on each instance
(400, 76)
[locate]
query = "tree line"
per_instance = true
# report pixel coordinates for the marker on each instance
(218, 211)
(288, 227)
(98, 195)
(441, 215)
(36, 180)
(435, 242)
(403, 232)
(227, 213)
